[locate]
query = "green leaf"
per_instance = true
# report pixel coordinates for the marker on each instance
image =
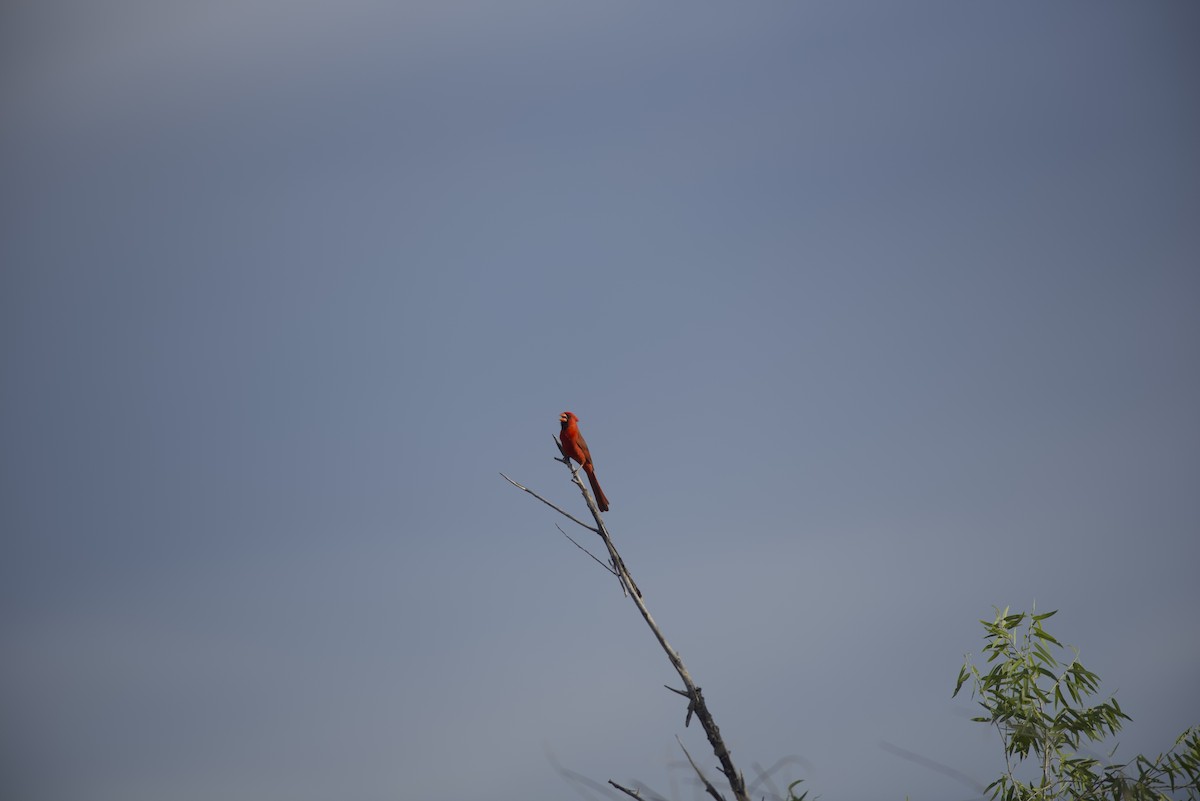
(1043, 655)
(963, 675)
(1037, 632)
(792, 793)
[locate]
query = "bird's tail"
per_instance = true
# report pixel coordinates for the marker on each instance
(601, 501)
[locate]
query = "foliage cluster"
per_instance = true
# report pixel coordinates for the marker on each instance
(1038, 704)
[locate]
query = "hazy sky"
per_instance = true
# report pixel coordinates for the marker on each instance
(875, 315)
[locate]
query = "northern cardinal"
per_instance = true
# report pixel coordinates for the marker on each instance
(575, 447)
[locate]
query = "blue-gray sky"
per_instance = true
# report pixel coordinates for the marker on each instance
(876, 315)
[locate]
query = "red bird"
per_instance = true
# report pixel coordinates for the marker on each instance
(575, 447)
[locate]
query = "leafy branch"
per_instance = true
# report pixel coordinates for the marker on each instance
(1037, 703)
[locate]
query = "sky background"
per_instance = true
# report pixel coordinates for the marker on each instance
(875, 315)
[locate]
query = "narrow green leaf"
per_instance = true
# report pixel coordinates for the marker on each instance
(1044, 636)
(963, 675)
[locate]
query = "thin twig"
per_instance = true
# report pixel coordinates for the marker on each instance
(552, 506)
(707, 784)
(625, 790)
(587, 787)
(589, 553)
(937, 767)
(691, 710)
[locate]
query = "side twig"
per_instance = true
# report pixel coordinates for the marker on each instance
(707, 784)
(552, 506)
(585, 550)
(626, 790)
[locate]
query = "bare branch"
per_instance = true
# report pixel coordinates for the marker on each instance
(696, 703)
